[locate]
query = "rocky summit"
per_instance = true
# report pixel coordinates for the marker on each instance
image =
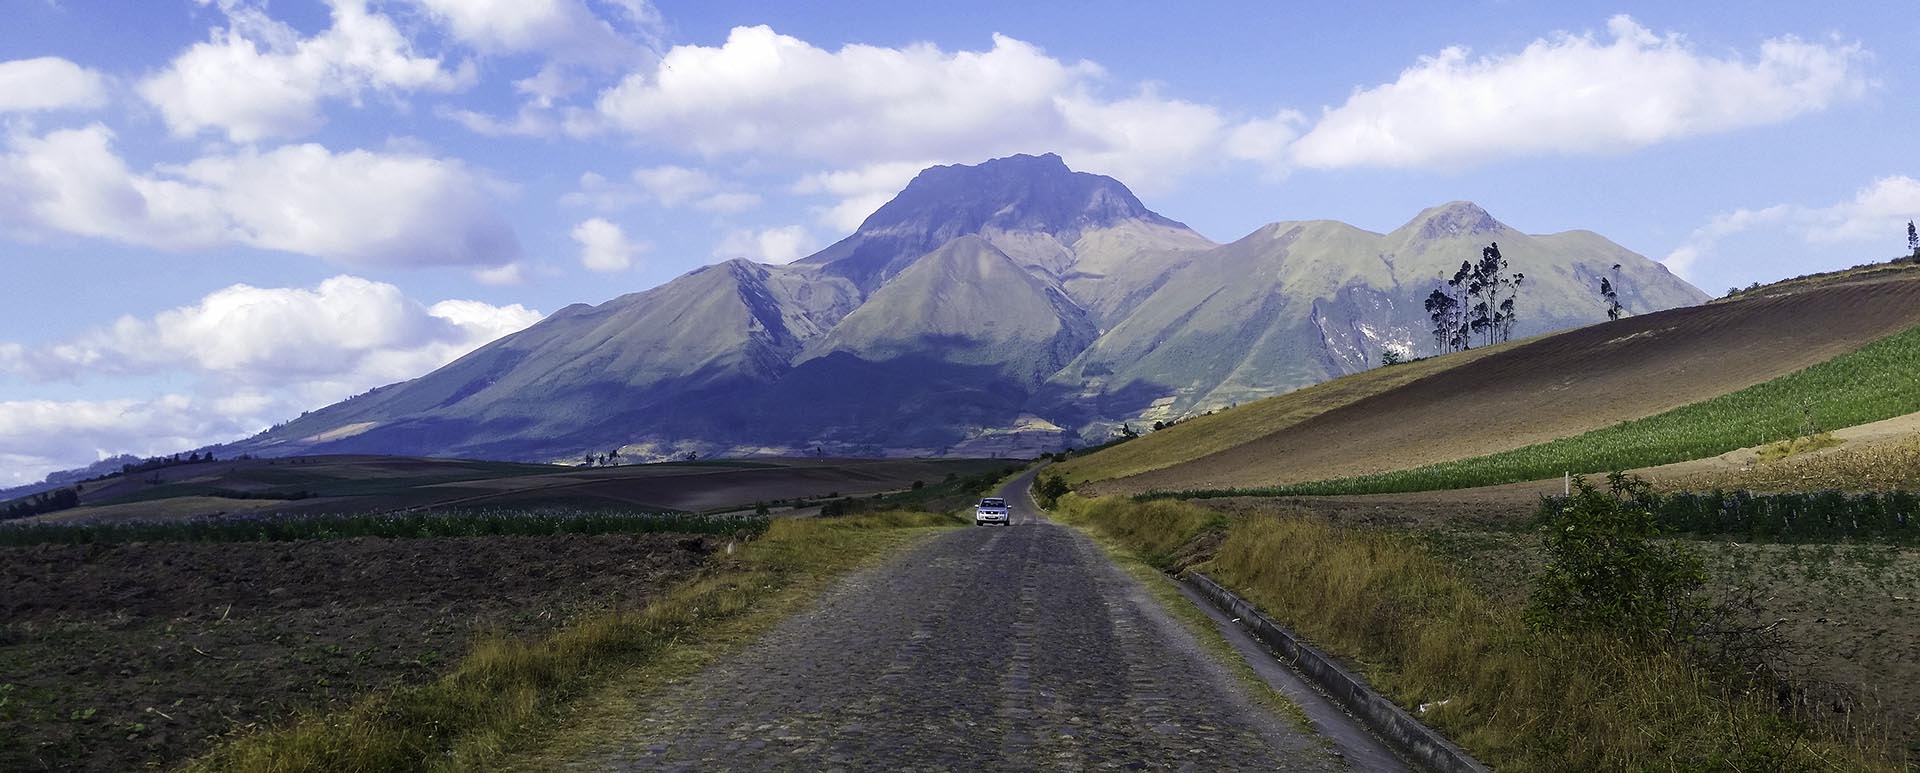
(1003, 308)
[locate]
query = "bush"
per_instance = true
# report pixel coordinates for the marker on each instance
(1051, 488)
(1606, 573)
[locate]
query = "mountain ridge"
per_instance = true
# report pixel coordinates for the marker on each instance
(1010, 306)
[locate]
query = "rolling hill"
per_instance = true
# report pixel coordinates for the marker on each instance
(1531, 392)
(1003, 308)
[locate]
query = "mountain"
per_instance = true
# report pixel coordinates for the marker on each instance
(1000, 308)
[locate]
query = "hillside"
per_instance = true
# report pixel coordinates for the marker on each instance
(1006, 308)
(1557, 386)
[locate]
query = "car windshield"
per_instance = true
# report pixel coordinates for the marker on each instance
(993, 503)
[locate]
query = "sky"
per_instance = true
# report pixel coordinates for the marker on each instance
(216, 214)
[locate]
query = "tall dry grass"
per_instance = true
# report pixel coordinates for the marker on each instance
(1514, 697)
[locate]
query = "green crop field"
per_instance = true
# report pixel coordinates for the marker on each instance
(1873, 383)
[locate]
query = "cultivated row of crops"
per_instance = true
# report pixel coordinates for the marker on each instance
(1820, 516)
(1869, 384)
(460, 523)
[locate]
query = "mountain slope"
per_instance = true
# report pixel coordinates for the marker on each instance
(1297, 303)
(1007, 307)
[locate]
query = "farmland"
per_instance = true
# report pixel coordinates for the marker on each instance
(1871, 384)
(1587, 380)
(373, 484)
(117, 657)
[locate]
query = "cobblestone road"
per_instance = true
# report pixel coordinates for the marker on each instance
(1017, 648)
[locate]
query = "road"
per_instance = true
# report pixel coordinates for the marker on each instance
(1020, 648)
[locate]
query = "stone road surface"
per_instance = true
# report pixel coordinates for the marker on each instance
(1018, 648)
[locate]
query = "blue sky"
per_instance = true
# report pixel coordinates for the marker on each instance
(214, 215)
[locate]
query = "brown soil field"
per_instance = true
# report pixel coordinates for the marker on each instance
(134, 656)
(1557, 386)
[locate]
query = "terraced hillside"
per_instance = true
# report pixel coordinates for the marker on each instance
(1554, 387)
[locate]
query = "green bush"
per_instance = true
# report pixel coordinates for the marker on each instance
(1606, 573)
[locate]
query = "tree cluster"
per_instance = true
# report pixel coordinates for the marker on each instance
(607, 459)
(160, 462)
(1477, 305)
(43, 502)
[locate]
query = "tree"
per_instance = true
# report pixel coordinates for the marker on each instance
(691, 456)
(612, 455)
(1913, 241)
(1390, 357)
(1127, 431)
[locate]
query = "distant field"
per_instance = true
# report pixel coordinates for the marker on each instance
(1876, 382)
(360, 484)
(1578, 382)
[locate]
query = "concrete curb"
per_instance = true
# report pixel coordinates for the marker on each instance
(1422, 744)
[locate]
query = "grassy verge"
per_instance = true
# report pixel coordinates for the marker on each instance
(1423, 635)
(462, 523)
(1872, 383)
(505, 690)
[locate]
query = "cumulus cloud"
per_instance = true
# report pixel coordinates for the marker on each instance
(604, 246)
(1576, 94)
(1869, 226)
(347, 330)
(49, 83)
(765, 94)
(356, 208)
(258, 355)
(773, 245)
(257, 78)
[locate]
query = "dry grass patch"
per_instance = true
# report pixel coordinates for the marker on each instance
(1423, 634)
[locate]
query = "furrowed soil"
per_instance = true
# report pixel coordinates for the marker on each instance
(126, 657)
(1557, 386)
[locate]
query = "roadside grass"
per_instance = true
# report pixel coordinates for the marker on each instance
(450, 523)
(1200, 436)
(506, 692)
(1423, 634)
(1872, 383)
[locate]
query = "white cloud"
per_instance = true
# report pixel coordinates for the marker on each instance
(1577, 94)
(605, 247)
(356, 208)
(49, 83)
(668, 186)
(567, 30)
(514, 273)
(773, 245)
(767, 95)
(257, 78)
(41, 436)
(674, 185)
(1869, 226)
(259, 355)
(347, 330)
(860, 191)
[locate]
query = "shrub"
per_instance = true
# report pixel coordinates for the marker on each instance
(1605, 572)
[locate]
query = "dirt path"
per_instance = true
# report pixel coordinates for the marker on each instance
(1019, 648)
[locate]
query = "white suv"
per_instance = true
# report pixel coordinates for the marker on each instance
(992, 511)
